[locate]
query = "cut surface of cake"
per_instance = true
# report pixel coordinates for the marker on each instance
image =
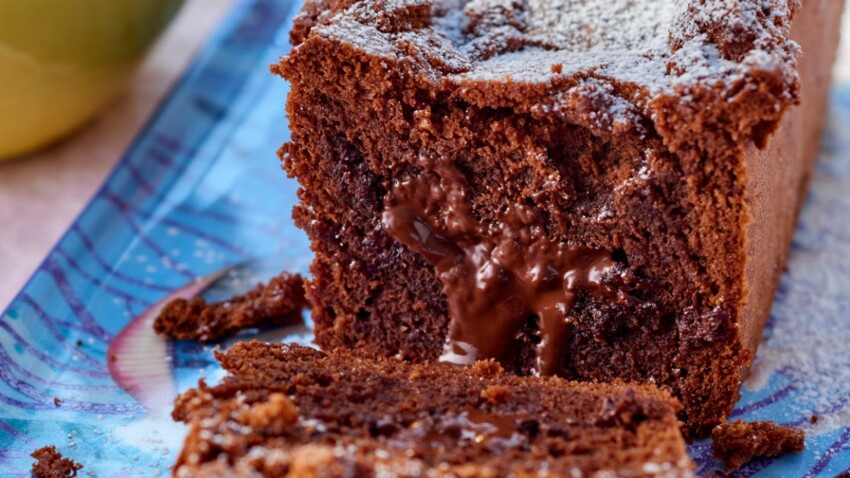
(595, 189)
(292, 411)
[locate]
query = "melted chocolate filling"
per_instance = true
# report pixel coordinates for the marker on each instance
(495, 274)
(466, 426)
(478, 426)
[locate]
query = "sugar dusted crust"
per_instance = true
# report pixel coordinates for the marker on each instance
(654, 51)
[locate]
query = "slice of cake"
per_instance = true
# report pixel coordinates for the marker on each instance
(597, 189)
(292, 411)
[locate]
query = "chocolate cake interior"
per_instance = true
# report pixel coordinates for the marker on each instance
(569, 187)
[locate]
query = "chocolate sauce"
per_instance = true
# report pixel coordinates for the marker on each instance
(496, 275)
(469, 425)
(479, 426)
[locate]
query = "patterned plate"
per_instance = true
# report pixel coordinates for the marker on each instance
(199, 206)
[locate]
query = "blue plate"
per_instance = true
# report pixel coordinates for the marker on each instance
(199, 205)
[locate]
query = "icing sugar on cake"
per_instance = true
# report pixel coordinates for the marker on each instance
(655, 45)
(658, 47)
(575, 25)
(600, 24)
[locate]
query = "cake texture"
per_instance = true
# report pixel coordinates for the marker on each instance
(49, 463)
(280, 302)
(736, 443)
(292, 411)
(595, 189)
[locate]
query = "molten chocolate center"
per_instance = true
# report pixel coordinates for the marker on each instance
(474, 425)
(495, 275)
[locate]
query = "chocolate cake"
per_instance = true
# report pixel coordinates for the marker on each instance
(280, 302)
(49, 463)
(598, 189)
(292, 411)
(736, 443)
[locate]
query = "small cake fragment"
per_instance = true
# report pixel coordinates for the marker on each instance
(279, 302)
(293, 411)
(49, 463)
(736, 443)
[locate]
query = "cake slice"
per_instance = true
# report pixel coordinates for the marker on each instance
(597, 189)
(736, 443)
(292, 411)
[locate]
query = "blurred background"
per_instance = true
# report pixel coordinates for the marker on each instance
(95, 113)
(41, 192)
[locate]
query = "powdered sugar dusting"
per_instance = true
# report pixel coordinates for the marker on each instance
(725, 39)
(367, 37)
(600, 24)
(653, 47)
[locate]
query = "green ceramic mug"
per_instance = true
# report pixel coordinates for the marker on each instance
(62, 61)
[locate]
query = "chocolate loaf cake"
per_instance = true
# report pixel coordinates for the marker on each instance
(598, 189)
(292, 411)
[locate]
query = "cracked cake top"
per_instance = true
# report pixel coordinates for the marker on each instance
(640, 62)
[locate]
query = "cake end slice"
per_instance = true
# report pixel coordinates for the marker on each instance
(288, 410)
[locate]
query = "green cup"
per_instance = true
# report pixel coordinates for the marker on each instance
(62, 61)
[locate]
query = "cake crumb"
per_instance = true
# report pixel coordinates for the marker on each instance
(49, 463)
(279, 302)
(319, 460)
(496, 394)
(736, 443)
(273, 416)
